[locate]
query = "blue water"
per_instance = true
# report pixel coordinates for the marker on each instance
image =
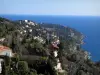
(88, 25)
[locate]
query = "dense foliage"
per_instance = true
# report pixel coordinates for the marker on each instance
(33, 50)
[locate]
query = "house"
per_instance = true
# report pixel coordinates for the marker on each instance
(26, 21)
(2, 39)
(4, 51)
(27, 26)
(55, 48)
(30, 30)
(24, 31)
(58, 67)
(87, 55)
(31, 23)
(55, 53)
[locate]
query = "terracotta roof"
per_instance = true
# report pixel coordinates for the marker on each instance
(4, 48)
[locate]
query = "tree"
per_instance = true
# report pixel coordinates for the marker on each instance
(61, 47)
(23, 67)
(7, 61)
(33, 73)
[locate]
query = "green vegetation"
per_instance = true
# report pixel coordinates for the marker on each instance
(33, 57)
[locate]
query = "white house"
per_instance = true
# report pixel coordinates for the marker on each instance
(87, 55)
(26, 21)
(2, 39)
(21, 32)
(58, 67)
(55, 53)
(30, 30)
(24, 31)
(0, 65)
(27, 26)
(6, 51)
(31, 23)
(72, 34)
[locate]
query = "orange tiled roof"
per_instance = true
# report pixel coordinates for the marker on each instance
(3, 48)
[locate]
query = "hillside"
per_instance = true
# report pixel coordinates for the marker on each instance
(44, 49)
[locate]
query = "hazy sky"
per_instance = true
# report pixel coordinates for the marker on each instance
(50, 7)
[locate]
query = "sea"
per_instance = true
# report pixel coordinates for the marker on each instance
(88, 25)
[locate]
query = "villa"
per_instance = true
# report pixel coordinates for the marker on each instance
(4, 51)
